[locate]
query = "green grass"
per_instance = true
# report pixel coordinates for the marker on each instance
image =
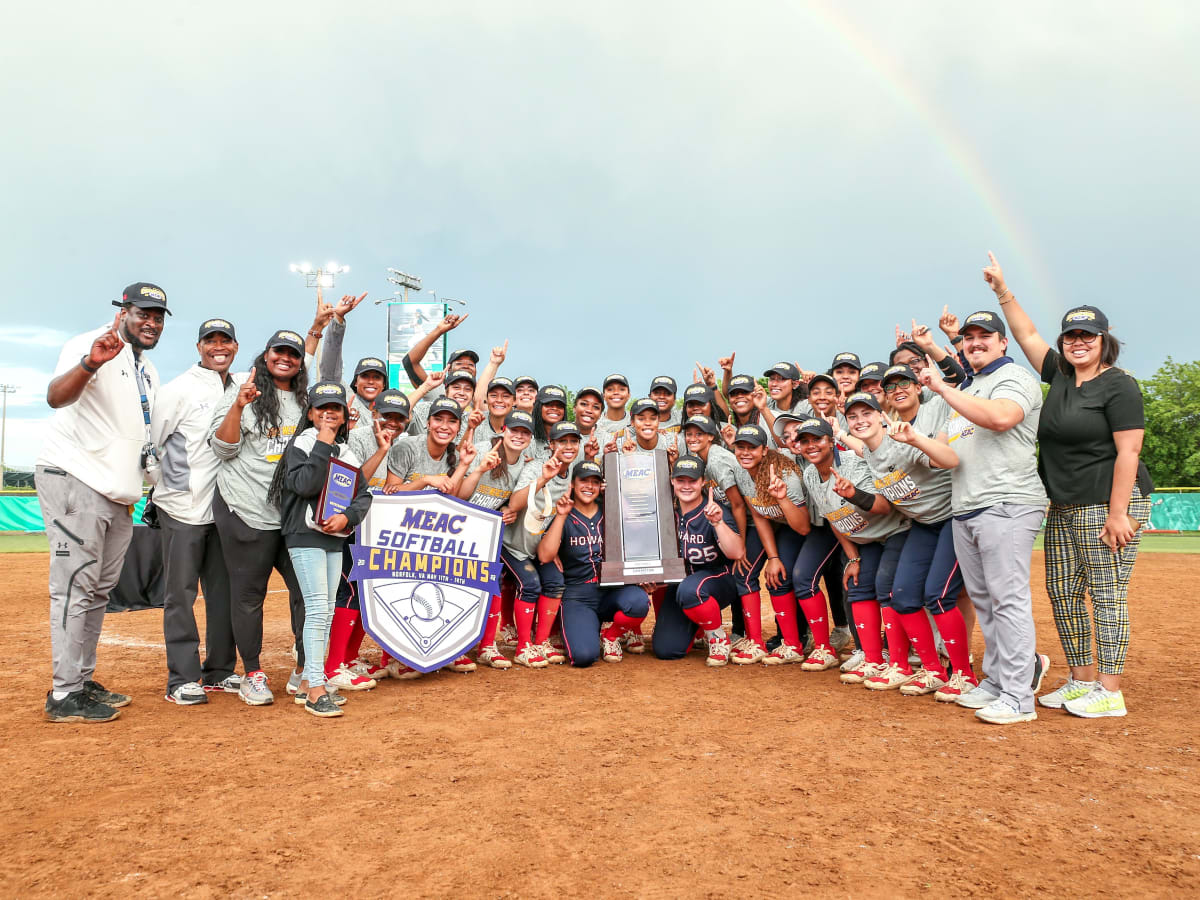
(11, 542)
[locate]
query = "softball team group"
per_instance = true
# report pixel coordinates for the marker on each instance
(884, 507)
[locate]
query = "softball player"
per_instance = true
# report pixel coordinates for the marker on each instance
(644, 431)
(549, 409)
(501, 397)
(746, 403)
(785, 387)
(589, 403)
(457, 385)
(869, 380)
(526, 389)
(708, 540)
(615, 399)
(844, 369)
(701, 440)
(663, 390)
(575, 538)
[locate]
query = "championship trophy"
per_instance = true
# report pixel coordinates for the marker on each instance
(640, 543)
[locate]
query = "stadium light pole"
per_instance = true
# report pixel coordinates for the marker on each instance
(320, 277)
(5, 389)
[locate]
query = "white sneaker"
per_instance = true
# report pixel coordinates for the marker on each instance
(718, 650)
(1000, 713)
(978, 697)
(229, 685)
(634, 642)
(923, 682)
(344, 679)
(492, 657)
(748, 653)
(507, 635)
(190, 694)
(254, 690)
(891, 677)
(612, 650)
(1069, 690)
(856, 661)
(397, 669)
(783, 654)
(552, 654)
(819, 660)
(1097, 704)
(293, 684)
(530, 657)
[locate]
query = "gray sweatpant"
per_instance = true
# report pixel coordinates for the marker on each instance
(995, 550)
(89, 535)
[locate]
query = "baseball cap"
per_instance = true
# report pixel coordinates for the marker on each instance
(392, 401)
(501, 382)
(445, 404)
(518, 418)
(871, 372)
(704, 423)
(665, 381)
(585, 468)
(144, 295)
(742, 384)
(525, 379)
(216, 326)
(326, 393)
(784, 370)
(563, 429)
(688, 467)
(456, 354)
(815, 426)
(697, 393)
(289, 339)
(594, 391)
(987, 320)
(371, 364)
(865, 398)
(754, 435)
(643, 405)
(617, 378)
(783, 419)
(846, 359)
(898, 372)
(552, 393)
(1085, 318)
(910, 346)
(822, 376)
(459, 375)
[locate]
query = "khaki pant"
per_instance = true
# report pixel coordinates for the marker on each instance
(89, 535)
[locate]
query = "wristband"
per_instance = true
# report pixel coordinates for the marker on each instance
(956, 340)
(315, 334)
(83, 364)
(862, 499)
(856, 559)
(946, 364)
(769, 558)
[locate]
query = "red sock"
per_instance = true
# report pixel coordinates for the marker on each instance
(493, 623)
(507, 595)
(707, 615)
(656, 599)
(785, 616)
(354, 646)
(339, 637)
(621, 624)
(866, 621)
(523, 612)
(920, 632)
(752, 612)
(815, 609)
(897, 639)
(954, 635)
(547, 612)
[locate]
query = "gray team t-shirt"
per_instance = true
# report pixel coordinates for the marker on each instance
(997, 467)
(720, 471)
(494, 487)
(362, 444)
(766, 505)
(858, 525)
(409, 459)
(931, 416)
(903, 475)
(517, 539)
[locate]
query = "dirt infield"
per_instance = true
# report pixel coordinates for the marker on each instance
(643, 779)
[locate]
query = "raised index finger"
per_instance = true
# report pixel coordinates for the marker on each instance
(992, 257)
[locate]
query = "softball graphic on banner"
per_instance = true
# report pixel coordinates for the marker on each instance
(427, 566)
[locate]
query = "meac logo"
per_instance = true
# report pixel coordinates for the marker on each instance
(341, 479)
(978, 317)
(327, 389)
(372, 361)
(216, 323)
(811, 423)
(153, 293)
(291, 336)
(1081, 315)
(643, 472)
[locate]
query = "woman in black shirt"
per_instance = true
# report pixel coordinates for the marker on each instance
(1090, 435)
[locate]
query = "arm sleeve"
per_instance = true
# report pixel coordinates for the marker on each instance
(1124, 407)
(332, 364)
(954, 373)
(1050, 366)
(305, 474)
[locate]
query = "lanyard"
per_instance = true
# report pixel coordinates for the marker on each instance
(139, 374)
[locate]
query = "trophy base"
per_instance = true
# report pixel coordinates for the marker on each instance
(655, 571)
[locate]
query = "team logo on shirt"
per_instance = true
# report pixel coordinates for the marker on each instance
(898, 487)
(846, 519)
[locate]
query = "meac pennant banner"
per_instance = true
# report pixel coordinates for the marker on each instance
(427, 566)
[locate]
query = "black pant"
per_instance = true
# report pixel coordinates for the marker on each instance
(250, 555)
(191, 554)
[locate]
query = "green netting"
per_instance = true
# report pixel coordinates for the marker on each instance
(1175, 512)
(22, 513)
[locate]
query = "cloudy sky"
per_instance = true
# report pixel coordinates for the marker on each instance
(618, 186)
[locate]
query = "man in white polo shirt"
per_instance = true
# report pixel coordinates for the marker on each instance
(89, 475)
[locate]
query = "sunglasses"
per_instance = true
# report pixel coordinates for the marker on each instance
(1079, 337)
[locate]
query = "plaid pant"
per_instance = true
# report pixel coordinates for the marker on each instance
(1078, 563)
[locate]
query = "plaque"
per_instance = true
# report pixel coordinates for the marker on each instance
(341, 483)
(640, 542)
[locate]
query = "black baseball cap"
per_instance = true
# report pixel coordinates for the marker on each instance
(563, 429)
(326, 393)
(784, 370)
(846, 359)
(822, 376)
(643, 405)
(459, 375)
(704, 423)
(618, 378)
(216, 326)
(894, 372)
(665, 381)
(456, 354)
(865, 398)
(144, 295)
(688, 467)
(501, 382)
(551, 393)
(371, 364)
(289, 339)
(697, 393)
(742, 384)
(987, 320)
(1085, 318)
(585, 468)
(594, 391)
(910, 346)
(815, 426)
(872, 371)
(518, 418)
(525, 379)
(755, 435)
(392, 401)
(445, 404)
